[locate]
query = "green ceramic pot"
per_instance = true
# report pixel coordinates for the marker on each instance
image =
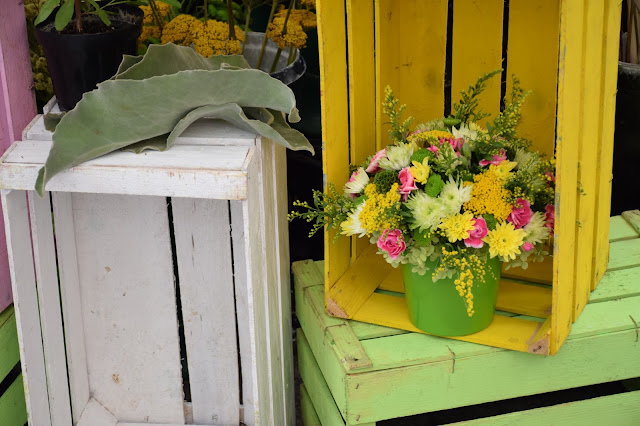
(438, 309)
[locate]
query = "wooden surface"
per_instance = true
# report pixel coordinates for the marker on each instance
(411, 373)
(18, 104)
(13, 410)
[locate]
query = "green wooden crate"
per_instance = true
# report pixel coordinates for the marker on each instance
(13, 410)
(357, 373)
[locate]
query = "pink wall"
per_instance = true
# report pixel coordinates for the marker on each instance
(17, 104)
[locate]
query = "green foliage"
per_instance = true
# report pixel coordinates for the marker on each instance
(466, 109)
(421, 154)
(505, 123)
(384, 180)
(421, 238)
(434, 185)
(329, 209)
(398, 131)
(491, 221)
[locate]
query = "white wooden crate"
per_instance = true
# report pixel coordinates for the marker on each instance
(97, 306)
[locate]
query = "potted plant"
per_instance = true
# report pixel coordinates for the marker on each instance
(450, 201)
(83, 42)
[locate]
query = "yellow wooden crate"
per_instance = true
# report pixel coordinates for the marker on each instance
(564, 51)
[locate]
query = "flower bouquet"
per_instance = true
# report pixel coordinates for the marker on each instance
(450, 201)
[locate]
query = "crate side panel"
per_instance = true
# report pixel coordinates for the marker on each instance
(332, 46)
(13, 409)
(569, 95)
(203, 251)
(588, 162)
(129, 309)
(477, 49)
(9, 350)
(605, 148)
(534, 27)
(410, 57)
(308, 411)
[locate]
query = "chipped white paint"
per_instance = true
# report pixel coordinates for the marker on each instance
(113, 248)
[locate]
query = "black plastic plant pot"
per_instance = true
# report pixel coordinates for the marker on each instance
(78, 62)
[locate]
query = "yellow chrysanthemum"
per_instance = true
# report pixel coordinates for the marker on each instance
(488, 196)
(179, 30)
(457, 227)
(503, 169)
(420, 171)
(505, 241)
(380, 211)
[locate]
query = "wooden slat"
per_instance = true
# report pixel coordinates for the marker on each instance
(402, 38)
(13, 410)
(356, 285)
(348, 347)
(95, 414)
(532, 55)
(25, 299)
(71, 302)
(44, 254)
(618, 284)
(632, 217)
(477, 49)
(605, 152)
(624, 254)
(524, 299)
(621, 229)
(203, 250)
(568, 129)
(9, 350)
(332, 47)
(362, 93)
(309, 415)
(537, 272)
(128, 301)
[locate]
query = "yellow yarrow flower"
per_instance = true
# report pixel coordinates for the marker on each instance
(431, 135)
(505, 241)
(420, 171)
(212, 38)
(457, 227)
(298, 22)
(179, 30)
(489, 196)
(380, 211)
(503, 169)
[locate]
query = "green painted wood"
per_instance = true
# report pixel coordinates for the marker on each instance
(366, 331)
(307, 273)
(624, 254)
(621, 229)
(633, 218)
(621, 409)
(309, 415)
(9, 349)
(617, 284)
(13, 408)
(319, 393)
(348, 348)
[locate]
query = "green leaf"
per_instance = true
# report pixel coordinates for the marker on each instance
(104, 17)
(122, 112)
(174, 3)
(64, 15)
(46, 10)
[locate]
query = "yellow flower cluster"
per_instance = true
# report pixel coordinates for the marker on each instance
(379, 211)
(471, 268)
(431, 135)
(457, 227)
(212, 38)
(163, 11)
(503, 169)
(299, 21)
(420, 171)
(311, 4)
(505, 241)
(179, 30)
(488, 196)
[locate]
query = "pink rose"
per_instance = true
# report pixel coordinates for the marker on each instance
(392, 242)
(527, 246)
(373, 165)
(433, 149)
(407, 183)
(477, 234)
(521, 213)
(550, 217)
(497, 159)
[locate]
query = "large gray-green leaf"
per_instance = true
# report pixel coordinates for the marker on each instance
(122, 112)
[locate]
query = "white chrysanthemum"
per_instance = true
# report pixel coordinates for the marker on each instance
(352, 225)
(359, 180)
(526, 160)
(535, 229)
(454, 195)
(426, 211)
(398, 157)
(465, 132)
(431, 125)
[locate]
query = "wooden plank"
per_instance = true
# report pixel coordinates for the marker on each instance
(71, 302)
(283, 280)
(9, 350)
(95, 414)
(632, 217)
(44, 255)
(619, 409)
(13, 409)
(308, 412)
(364, 331)
(25, 299)
(617, 284)
(537, 272)
(306, 274)
(332, 46)
(624, 254)
(539, 72)
(348, 347)
(621, 229)
(605, 153)
(346, 297)
(203, 250)
(568, 130)
(524, 299)
(477, 49)
(129, 308)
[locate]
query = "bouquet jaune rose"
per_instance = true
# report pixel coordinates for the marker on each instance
(449, 191)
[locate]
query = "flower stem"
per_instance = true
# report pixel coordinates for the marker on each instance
(232, 29)
(206, 11)
(274, 3)
(292, 4)
(78, 13)
(156, 13)
(246, 27)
